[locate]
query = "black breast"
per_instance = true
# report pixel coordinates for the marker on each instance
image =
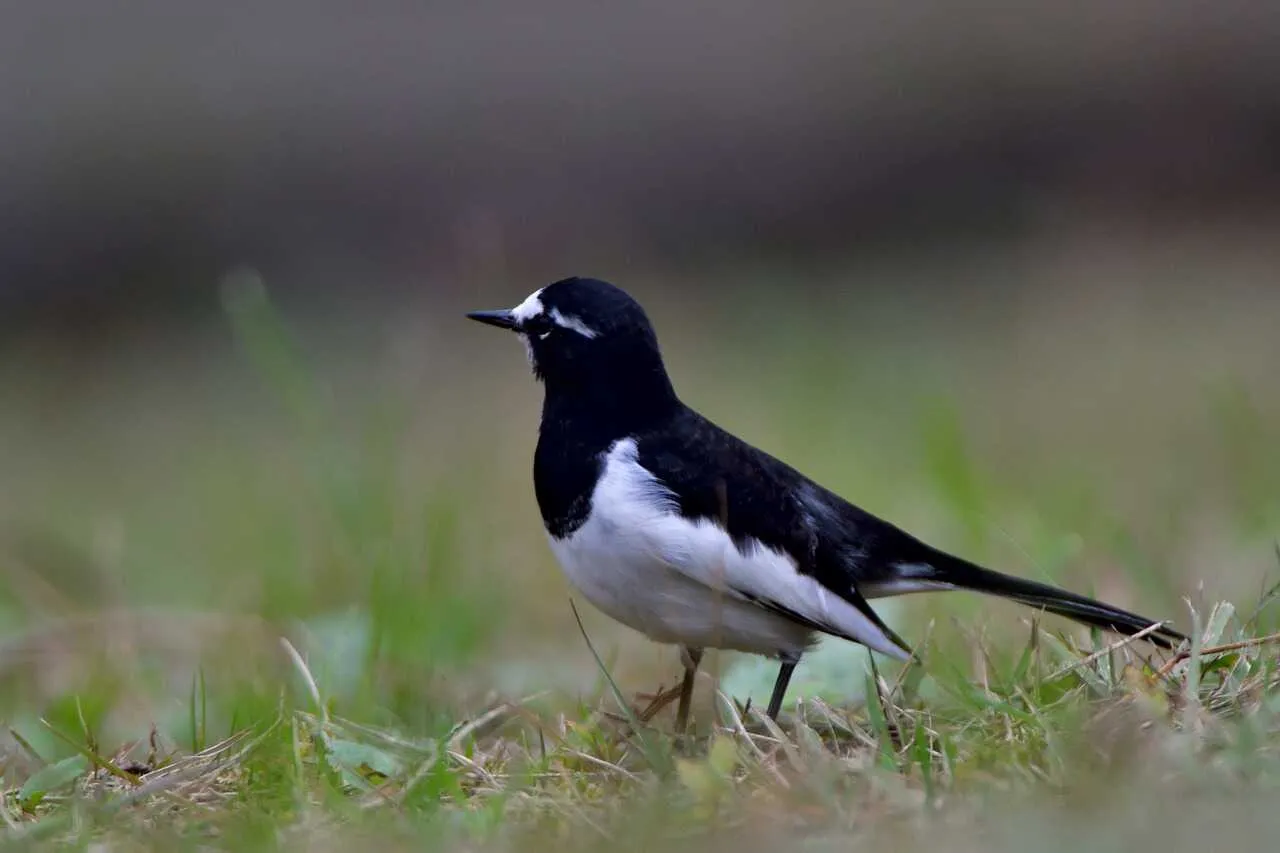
(566, 466)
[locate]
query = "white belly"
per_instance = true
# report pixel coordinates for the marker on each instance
(642, 592)
(684, 581)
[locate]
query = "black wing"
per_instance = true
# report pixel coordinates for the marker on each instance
(757, 498)
(844, 548)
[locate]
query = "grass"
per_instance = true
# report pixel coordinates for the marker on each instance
(1040, 721)
(259, 599)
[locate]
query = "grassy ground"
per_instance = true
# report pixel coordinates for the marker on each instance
(280, 582)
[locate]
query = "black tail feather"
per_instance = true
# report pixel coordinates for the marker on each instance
(961, 574)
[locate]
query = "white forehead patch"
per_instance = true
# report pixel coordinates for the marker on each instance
(568, 321)
(531, 307)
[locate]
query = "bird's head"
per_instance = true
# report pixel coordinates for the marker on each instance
(587, 339)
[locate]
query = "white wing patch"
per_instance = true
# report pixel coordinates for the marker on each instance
(900, 586)
(911, 578)
(639, 516)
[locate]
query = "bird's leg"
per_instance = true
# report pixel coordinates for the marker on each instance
(780, 686)
(691, 657)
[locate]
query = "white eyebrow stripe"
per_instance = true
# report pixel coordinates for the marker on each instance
(568, 321)
(531, 307)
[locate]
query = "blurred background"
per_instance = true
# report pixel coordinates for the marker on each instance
(1004, 274)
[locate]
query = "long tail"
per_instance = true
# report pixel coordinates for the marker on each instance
(944, 570)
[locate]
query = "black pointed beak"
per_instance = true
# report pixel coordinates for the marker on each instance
(501, 319)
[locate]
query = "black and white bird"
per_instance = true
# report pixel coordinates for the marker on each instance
(678, 529)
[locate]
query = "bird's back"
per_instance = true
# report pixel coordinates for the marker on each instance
(756, 496)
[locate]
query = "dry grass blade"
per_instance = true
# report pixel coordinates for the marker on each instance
(204, 765)
(480, 723)
(477, 768)
(1252, 642)
(780, 738)
(1121, 643)
(307, 678)
(96, 759)
(605, 765)
(739, 727)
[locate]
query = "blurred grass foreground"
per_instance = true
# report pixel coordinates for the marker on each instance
(279, 578)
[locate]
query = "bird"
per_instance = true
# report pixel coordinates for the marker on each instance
(677, 528)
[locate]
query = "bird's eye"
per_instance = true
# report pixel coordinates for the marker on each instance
(539, 325)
